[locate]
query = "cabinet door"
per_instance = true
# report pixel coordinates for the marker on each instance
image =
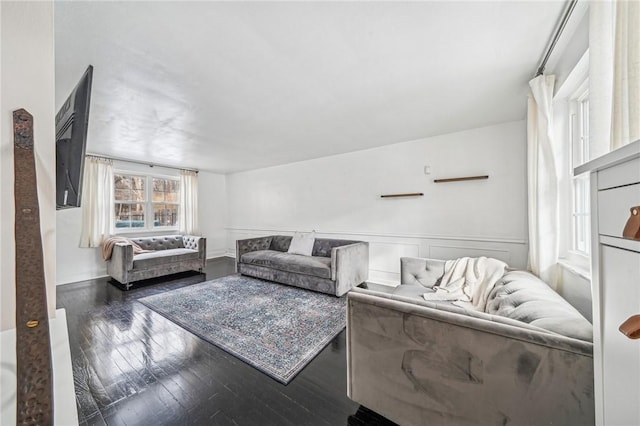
(620, 286)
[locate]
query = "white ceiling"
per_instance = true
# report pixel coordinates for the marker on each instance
(233, 86)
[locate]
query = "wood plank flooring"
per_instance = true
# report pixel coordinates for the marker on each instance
(132, 366)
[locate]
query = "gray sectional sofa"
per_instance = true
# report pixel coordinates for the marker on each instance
(334, 267)
(169, 254)
(526, 360)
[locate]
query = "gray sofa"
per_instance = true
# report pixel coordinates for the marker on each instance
(334, 267)
(527, 360)
(170, 254)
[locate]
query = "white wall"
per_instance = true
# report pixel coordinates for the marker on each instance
(339, 196)
(564, 60)
(27, 56)
(212, 201)
(78, 264)
(74, 263)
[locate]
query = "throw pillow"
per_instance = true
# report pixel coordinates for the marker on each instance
(302, 243)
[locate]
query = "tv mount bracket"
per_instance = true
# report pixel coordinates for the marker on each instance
(33, 346)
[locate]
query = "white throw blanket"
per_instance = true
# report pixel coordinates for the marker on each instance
(468, 281)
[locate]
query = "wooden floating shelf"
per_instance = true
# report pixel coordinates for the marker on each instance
(460, 179)
(410, 194)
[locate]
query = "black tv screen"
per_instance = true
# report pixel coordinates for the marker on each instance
(72, 123)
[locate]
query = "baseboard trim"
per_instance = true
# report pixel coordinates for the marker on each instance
(215, 253)
(222, 256)
(81, 278)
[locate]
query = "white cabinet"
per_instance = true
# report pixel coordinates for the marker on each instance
(620, 276)
(615, 188)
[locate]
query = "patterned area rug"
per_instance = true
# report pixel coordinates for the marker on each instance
(276, 328)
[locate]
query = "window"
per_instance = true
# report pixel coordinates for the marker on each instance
(579, 138)
(145, 202)
(165, 201)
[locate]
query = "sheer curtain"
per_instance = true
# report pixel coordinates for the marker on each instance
(614, 75)
(600, 76)
(97, 201)
(542, 181)
(188, 210)
(625, 116)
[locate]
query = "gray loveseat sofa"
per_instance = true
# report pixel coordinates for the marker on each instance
(169, 254)
(527, 360)
(334, 267)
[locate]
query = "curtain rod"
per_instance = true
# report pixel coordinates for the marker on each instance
(145, 163)
(556, 36)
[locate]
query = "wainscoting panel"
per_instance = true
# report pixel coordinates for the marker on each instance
(384, 259)
(385, 250)
(453, 252)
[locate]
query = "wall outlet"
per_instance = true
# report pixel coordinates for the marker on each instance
(427, 170)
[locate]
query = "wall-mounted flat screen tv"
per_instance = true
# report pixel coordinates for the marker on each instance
(72, 122)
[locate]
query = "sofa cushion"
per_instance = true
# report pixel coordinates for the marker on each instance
(162, 257)
(163, 242)
(302, 243)
(280, 243)
(522, 296)
(411, 290)
(421, 271)
(308, 265)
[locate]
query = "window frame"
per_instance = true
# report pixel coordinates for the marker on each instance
(148, 203)
(578, 140)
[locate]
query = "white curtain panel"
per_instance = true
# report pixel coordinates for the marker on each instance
(97, 201)
(600, 76)
(542, 181)
(188, 210)
(614, 75)
(625, 117)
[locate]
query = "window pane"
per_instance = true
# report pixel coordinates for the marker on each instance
(137, 183)
(165, 190)
(129, 215)
(172, 185)
(129, 188)
(173, 190)
(122, 186)
(158, 185)
(158, 189)
(138, 188)
(585, 130)
(165, 215)
(122, 216)
(581, 220)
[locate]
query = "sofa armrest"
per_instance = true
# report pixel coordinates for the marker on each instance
(121, 262)
(251, 244)
(196, 242)
(349, 266)
(421, 271)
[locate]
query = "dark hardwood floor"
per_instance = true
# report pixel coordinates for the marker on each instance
(132, 366)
